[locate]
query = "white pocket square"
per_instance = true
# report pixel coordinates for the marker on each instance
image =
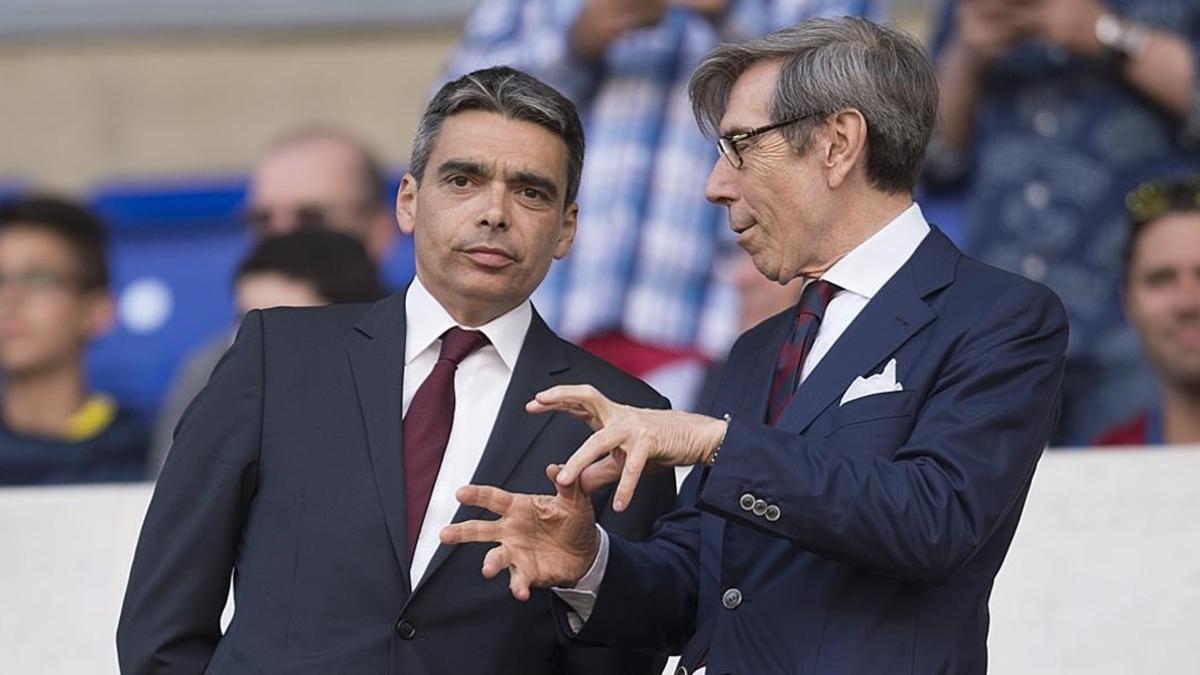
(876, 384)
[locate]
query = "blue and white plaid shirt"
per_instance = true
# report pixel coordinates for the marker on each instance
(644, 256)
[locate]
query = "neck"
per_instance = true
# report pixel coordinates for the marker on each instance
(1180, 415)
(860, 217)
(467, 314)
(42, 403)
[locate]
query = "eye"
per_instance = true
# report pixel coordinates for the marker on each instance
(459, 180)
(534, 194)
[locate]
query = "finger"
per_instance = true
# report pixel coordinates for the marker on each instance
(518, 585)
(569, 492)
(582, 395)
(602, 473)
(485, 496)
(593, 449)
(635, 464)
(470, 531)
(497, 559)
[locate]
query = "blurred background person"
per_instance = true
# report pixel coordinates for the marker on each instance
(1161, 297)
(310, 178)
(54, 301)
(758, 299)
(325, 177)
(305, 268)
(640, 289)
(1050, 111)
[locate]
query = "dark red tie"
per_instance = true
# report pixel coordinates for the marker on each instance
(789, 365)
(427, 427)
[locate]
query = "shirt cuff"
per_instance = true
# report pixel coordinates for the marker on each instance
(582, 597)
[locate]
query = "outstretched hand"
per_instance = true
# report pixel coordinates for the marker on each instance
(544, 540)
(627, 440)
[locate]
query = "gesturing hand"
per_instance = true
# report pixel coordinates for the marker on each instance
(543, 540)
(628, 440)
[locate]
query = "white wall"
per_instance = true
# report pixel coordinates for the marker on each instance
(1103, 577)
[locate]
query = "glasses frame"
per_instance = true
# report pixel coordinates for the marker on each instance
(727, 145)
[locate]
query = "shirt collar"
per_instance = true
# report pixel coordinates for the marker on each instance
(866, 268)
(427, 320)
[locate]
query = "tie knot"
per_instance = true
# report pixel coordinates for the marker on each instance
(457, 344)
(816, 297)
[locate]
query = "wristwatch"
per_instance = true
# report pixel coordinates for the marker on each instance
(1122, 39)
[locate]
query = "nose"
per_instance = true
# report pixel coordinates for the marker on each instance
(721, 187)
(495, 213)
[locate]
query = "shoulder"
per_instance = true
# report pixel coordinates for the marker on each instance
(981, 292)
(613, 382)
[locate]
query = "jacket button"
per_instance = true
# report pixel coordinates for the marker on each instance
(406, 629)
(731, 598)
(746, 502)
(759, 507)
(681, 671)
(772, 513)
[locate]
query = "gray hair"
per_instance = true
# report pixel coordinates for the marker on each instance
(509, 92)
(831, 65)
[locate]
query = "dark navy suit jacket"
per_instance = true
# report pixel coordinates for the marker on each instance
(886, 519)
(287, 471)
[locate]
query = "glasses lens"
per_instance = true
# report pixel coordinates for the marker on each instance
(729, 149)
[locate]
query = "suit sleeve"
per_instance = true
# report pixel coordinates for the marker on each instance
(655, 497)
(919, 513)
(170, 620)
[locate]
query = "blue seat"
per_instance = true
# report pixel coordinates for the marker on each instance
(173, 249)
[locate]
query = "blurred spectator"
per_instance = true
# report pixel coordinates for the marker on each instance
(309, 178)
(1050, 111)
(639, 288)
(1162, 300)
(758, 299)
(306, 268)
(327, 177)
(54, 300)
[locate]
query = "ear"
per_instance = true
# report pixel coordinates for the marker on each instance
(567, 235)
(99, 315)
(406, 204)
(846, 147)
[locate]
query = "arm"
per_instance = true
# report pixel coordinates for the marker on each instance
(922, 512)
(558, 41)
(1163, 69)
(170, 620)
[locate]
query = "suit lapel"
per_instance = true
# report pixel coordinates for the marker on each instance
(893, 316)
(377, 363)
(540, 366)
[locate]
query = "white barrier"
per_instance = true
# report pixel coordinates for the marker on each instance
(1103, 577)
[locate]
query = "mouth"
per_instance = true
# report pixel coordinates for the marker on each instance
(489, 257)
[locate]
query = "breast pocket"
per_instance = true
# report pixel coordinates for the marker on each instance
(878, 424)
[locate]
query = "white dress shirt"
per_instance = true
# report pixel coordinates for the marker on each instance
(479, 386)
(859, 274)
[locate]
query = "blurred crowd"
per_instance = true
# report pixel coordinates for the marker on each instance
(1067, 151)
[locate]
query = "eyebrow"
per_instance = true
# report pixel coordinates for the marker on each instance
(463, 166)
(521, 178)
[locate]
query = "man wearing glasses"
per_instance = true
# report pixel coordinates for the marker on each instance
(54, 301)
(863, 467)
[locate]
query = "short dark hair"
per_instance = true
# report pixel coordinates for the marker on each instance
(1155, 199)
(509, 92)
(82, 230)
(335, 264)
(831, 65)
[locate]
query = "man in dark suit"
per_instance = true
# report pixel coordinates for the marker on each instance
(321, 460)
(857, 496)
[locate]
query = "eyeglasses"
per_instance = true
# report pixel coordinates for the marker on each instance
(37, 280)
(1155, 199)
(728, 144)
(262, 219)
